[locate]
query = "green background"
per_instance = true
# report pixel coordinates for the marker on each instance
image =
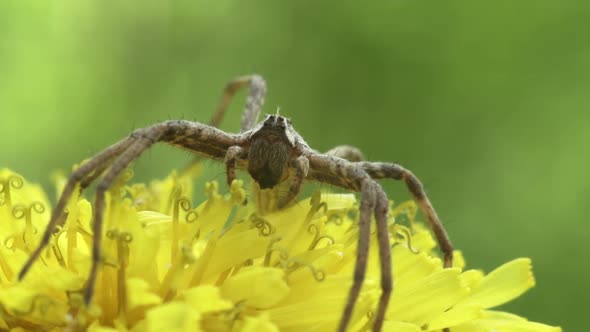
(487, 102)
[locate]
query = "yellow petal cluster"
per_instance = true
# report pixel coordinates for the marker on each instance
(223, 266)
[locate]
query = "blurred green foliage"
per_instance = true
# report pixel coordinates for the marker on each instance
(486, 101)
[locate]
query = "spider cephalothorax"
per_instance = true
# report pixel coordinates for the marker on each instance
(273, 153)
(271, 148)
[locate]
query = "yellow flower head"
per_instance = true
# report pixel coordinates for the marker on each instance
(222, 266)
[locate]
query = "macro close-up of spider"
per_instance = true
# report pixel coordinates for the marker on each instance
(239, 166)
(275, 155)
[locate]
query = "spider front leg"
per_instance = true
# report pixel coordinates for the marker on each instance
(367, 207)
(118, 166)
(196, 137)
(301, 165)
(231, 157)
(381, 214)
(256, 93)
(347, 152)
(348, 175)
(379, 170)
(254, 102)
(83, 175)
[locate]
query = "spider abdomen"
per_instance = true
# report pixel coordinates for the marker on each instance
(267, 161)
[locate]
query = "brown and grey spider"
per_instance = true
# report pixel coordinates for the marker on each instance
(273, 153)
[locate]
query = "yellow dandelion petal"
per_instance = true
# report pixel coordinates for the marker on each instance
(53, 277)
(428, 298)
(259, 287)
(206, 299)
(314, 265)
(18, 329)
(455, 316)
(505, 322)
(503, 284)
(37, 307)
(410, 268)
(422, 240)
(148, 246)
(24, 208)
(237, 192)
(16, 190)
(215, 211)
(223, 266)
(458, 259)
(98, 328)
(288, 224)
(472, 278)
(339, 202)
(139, 294)
(260, 323)
(17, 298)
(161, 193)
(155, 221)
(318, 306)
(390, 326)
(173, 317)
(234, 248)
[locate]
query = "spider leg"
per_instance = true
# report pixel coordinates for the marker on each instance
(301, 165)
(118, 166)
(379, 170)
(89, 170)
(340, 172)
(254, 102)
(193, 136)
(196, 137)
(88, 180)
(231, 157)
(381, 213)
(257, 92)
(366, 208)
(347, 152)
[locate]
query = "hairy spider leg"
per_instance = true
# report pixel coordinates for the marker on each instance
(301, 165)
(380, 170)
(354, 154)
(381, 214)
(118, 166)
(88, 180)
(250, 115)
(196, 137)
(340, 172)
(347, 152)
(89, 170)
(256, 94)
(234, 153)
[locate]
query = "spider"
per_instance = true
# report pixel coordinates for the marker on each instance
(273, 153)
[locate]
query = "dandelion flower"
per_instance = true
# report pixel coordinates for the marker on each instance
(223, 266)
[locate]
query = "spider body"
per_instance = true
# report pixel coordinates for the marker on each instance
(273, 145)
(274, 154)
